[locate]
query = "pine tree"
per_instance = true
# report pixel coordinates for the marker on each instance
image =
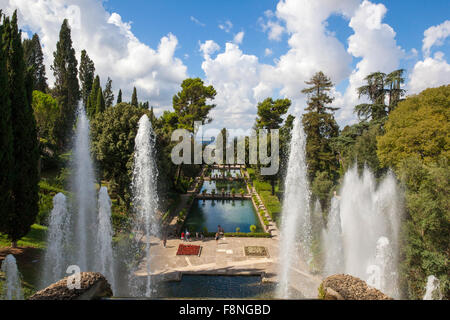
(87, 73)
(108, 95)
(6, 136)
(67, 90)
(17, 223)
(34, 58)
(92, 101)
(134, 98)
(320, 127)
(119, 97)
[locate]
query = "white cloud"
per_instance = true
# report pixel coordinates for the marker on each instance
(434, 36)
(196, 21)
(374, 43)
(110, 43)
(208, 48)
(276, 30)
(429, 73)
(227, 26)
(268, 52)
(239, 37)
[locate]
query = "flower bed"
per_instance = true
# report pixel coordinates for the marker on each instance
(188, 250)
(256, 251)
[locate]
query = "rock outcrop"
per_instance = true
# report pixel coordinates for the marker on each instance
(93, 285)
(346, 287)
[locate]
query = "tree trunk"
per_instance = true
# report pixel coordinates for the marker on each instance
(13, 244)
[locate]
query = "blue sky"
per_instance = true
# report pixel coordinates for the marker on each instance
(154, 45)
(153, 19)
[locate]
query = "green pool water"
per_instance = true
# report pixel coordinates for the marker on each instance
(229, 214)
(219, 185)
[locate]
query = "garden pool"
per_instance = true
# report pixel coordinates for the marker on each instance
(211, 286)
(218, 185)
(229, 214)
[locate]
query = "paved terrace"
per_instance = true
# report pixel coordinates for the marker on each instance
(225, 257)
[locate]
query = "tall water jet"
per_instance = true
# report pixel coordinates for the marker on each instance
(433, 289)
(370, 220)
(104, 250)
(332, 241)
(57, 242)
(295, 233)
(12, 289)
(145, 197)
(83, 186)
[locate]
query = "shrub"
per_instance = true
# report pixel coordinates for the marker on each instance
(233, 191)
(252, 228)
(238, 230)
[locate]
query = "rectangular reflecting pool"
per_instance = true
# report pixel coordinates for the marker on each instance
(229, 214)
(205, 286)
(218, 185)
(227, 172)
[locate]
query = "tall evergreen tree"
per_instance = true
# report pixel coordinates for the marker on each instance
(6, 136)
(87, 73)
(34, 59)
(320, 127)
(119, 97)
(108, 95)
(93, 97)
(67, 90)
(17, 223)
(100, 103)
(134, 98)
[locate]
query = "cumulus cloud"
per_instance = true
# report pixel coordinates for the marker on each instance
(268, 52)
(239, 37)
(434, 36)
(208, 48)
(429, 73)
(110, 43)
(374, 43)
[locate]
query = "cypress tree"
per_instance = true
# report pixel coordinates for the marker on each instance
(6, 137)
(100, 105)
(108, 95)
(92, 101)
(134, 99)
(17, 223)
(67, 90)
(34, 59)
(87, 72)
(119, 97)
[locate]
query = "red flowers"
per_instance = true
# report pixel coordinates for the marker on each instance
(188, 250)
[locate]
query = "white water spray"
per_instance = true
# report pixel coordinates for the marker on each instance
(85, 195)
(370, 221)
(433, 289)
(58, 234)
(104, 250)
(145, 199)
(295, 233)
(12, 288)
(332, 241)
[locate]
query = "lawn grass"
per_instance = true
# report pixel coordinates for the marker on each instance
(36, 238)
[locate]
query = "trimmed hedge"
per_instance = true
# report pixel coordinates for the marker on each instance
(240, 234)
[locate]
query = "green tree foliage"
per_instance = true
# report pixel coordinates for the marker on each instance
(108, 95)
(320, 127)
(270, 113)
(190, 104)
(95, 102)
(321, 187)
(67, 90)
(17, 222)
(426, 241)
(46, 112)
(113, 135)
(6, 133)
(100, 103)
(34, 60)
(378, 87)
(134, 98)
(87, 73)
(119, 97)
(418, 127)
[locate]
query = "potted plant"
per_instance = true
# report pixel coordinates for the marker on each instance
(233, 192)
(242, 192)
(238, 230)
(252, 228)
